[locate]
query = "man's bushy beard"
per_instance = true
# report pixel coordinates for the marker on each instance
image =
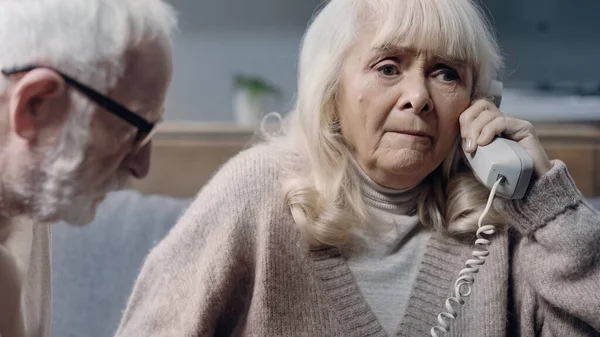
(63, 194)
(66, 201)
(63, 191)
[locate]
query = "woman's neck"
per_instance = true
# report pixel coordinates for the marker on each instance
(403, 200)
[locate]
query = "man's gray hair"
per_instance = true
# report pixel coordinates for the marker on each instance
(87, 39)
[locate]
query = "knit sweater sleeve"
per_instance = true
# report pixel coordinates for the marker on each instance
(198, 280)
(558, 255)
(25, 279)
(11, 286)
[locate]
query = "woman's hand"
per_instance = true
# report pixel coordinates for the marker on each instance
(482, 121)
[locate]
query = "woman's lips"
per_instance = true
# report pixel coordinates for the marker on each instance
(413, 133)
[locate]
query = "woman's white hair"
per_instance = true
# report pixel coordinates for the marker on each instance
(323, 192)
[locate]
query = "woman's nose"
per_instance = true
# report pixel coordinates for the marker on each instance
(414, 96)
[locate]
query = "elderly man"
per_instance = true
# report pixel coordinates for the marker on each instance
(82, 86)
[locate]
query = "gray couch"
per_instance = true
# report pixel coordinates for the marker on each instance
(95, 266)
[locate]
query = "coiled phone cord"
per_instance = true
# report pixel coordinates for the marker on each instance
(462, 286)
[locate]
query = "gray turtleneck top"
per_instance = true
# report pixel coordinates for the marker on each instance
(385, 257)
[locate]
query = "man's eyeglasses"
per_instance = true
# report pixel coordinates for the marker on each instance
(145, 128)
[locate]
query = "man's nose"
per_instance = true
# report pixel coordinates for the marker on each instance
(415, 96)
(138, 163)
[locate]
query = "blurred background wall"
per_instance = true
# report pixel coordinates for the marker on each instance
(551, 47)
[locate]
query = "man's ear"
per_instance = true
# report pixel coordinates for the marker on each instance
(27, 100)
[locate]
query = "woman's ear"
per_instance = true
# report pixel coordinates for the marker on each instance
(29, 95)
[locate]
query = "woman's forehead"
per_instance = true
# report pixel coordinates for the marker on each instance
(429, 53)
(434, 32)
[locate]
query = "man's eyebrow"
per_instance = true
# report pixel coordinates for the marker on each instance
(143, 109)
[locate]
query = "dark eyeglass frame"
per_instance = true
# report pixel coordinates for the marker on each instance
(145, 129)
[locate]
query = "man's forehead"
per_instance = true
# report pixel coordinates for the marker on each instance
(145, 101)
(147, 76)
(150, 56)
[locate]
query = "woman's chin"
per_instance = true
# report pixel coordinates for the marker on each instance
(403, 158)
(406, 162)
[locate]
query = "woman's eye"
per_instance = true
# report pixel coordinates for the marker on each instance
(448, 75)
(388, 70)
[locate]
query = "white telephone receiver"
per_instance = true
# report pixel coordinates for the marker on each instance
(505, 168)
(501, 159)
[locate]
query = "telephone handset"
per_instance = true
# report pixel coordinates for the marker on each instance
(505, 168)
(501, 159)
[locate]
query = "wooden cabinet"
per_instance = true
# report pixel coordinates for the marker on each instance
(578, 145)
(186, 155)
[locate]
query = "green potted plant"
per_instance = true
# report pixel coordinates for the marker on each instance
(250, 98)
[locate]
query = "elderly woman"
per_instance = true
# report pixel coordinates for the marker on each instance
(356, 219)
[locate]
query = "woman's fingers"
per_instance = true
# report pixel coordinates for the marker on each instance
(479, 126)
(474, 120)
(483, 121)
